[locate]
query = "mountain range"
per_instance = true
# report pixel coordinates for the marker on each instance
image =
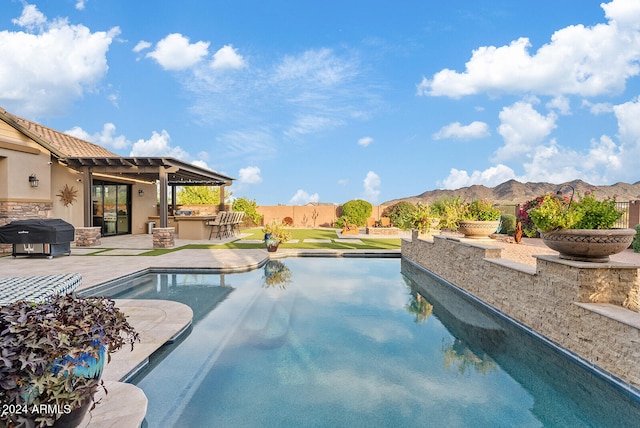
(515, 192)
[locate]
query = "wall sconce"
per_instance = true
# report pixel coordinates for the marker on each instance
(33, 180)
(140, 192)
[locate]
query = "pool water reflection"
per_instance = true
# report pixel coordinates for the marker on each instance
(359, 342)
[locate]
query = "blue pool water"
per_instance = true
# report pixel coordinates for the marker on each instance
(358, 342)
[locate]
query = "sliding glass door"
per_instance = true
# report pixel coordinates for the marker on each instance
(112, 207)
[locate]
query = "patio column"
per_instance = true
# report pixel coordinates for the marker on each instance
(221, 206)
(163, 179)
(87, 184)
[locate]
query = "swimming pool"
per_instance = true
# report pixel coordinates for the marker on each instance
(358, 342)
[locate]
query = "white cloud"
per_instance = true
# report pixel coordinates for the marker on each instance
(371, 187)
(458, 131)
(249, 175)
(80, 4)
(320, 68)
(200, 163)
(141, 45)
(158, 145)
(249, 145)
(624, 13)
(106, 138)
(598, 108)
(227, 58)
(174, 52)
(113, 99)
(308, 93)
(309, 124)
(628, 123)
(489, 177)
(70, 61)
(561, 104)
(522, 129)
(603, 162)
(581, 60)
(301, 197)
(343, 182)
(365, 141)
(31, 18)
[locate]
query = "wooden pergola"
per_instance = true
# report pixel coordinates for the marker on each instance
(168, 172)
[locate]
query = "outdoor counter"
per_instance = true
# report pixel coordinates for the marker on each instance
(188, 226)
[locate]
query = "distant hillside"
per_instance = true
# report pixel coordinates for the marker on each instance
(514, 192)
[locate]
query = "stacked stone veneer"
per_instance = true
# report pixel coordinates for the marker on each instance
(87, 236)
(164, 237)
(382, 230)
(14, 210)
(562, 300)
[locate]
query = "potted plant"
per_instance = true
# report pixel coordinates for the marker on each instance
(52, 355)
(479, 219)
(448, 210)
(274, 235)
(581, 230)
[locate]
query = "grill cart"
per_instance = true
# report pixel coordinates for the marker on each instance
(46, 237)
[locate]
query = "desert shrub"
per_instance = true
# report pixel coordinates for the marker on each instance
(449, 209)
(507, 224)
(481, 210)
(249, 207)
(401, 214)
(636, 240)
(201, 195)
(357, 211)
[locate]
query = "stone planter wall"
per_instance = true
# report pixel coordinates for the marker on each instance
(560, 299)
(382, 231)
(21, 210)
(164, 237)
(87, 236)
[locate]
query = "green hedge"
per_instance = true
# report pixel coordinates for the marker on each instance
(357, 211)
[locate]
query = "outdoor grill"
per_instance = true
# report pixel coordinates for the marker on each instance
(49, 237)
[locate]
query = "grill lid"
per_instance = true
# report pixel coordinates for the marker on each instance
(48, 231)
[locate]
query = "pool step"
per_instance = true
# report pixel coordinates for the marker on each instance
(268, 320)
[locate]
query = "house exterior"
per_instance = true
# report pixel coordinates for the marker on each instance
(45, 173)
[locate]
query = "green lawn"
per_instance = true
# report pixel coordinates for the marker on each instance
(302, 234)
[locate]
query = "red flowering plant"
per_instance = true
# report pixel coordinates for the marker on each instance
(555, 213)
(528, 227)
(422, 218)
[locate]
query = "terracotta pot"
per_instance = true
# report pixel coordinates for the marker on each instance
(588, 245)
(477, 229)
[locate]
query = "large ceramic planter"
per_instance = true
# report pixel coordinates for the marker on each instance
(83, 366)
(588, 245)
(476, 229)
(271, 243)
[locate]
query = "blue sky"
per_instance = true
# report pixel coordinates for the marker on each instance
(337, 100)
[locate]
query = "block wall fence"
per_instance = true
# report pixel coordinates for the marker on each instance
(303, 215)
(581, 306)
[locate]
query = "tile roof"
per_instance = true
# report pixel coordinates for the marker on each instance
(50, 138)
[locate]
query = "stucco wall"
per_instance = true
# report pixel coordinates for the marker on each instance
(548, 298)
(62, 176)
(303, 215)
(143, 207)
